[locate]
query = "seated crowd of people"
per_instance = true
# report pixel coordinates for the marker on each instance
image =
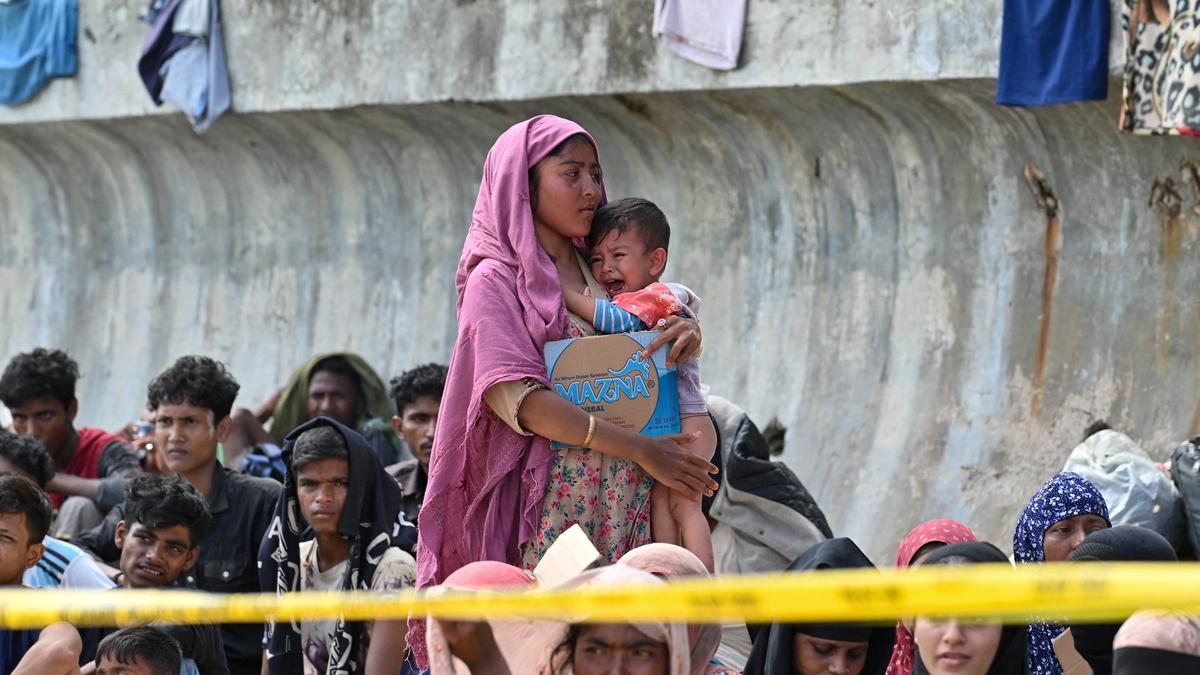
(483, 476)
(186, 519)
(341, 517)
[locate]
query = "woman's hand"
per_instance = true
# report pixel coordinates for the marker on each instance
(664, 459)
(474, 643)
(551, 416)
(685, 333)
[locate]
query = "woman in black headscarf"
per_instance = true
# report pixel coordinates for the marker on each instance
(1127, 543)
(818, 648)
(946, 646)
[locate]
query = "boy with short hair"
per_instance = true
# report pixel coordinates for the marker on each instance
(62, 565)
(417, 397)
(92, 465)
(24, 519)
(165, 518)
(354, 547)
(628, 246)
(192, 400)
(138, 651)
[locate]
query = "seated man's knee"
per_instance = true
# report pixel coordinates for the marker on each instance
(75, 516)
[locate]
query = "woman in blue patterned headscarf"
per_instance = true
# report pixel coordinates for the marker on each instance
(1057, 519)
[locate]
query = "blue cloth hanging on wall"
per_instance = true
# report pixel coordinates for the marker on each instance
(1053, 51)
(37, 43)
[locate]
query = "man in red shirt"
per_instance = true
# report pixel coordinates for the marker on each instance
(91, 465)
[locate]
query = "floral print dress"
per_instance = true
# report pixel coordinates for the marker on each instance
(608, 496)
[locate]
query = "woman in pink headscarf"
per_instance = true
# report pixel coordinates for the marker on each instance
(496, 489)
(675, 562)
(923, 540)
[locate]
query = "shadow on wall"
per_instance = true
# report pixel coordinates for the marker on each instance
(872, 261)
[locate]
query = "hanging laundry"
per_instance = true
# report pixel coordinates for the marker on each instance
(1161, 92)
(37, 43)
(192, 18)
(184, 69)
(1053, 51)
(708, 32)
(152, 11)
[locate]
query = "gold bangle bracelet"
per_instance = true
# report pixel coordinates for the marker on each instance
(587, 441)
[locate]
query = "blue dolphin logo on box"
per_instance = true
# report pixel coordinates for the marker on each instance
(637, 362)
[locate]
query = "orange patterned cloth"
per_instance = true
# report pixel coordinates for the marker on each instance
(651, 304)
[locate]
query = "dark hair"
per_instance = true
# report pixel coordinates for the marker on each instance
(198, 381)
(19, 496)
(166, 501)
(41, 373)
(563, 657)
(1095, 428)
(926, 549)
(557, 150)
(627, 213)
(28, 455)
(323, 442)
(338, 365)
(426, 380)
(150, 645)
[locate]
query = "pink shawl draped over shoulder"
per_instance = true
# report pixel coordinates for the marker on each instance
(486, 482)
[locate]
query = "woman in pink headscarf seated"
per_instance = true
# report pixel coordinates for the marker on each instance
(642, 648)
(521, 647)
(675, 562)
(916, 546)
(496, 489)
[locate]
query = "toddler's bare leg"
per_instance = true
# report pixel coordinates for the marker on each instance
(686, 513)
(663, 528)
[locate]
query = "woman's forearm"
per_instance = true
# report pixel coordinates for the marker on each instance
(551, 416)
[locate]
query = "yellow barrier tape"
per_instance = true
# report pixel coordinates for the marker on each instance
(1091, 591)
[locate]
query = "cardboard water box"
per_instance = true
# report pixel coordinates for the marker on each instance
(608, 376)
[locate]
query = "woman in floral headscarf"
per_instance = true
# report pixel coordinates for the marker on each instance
(1055, 522)
(919, 543)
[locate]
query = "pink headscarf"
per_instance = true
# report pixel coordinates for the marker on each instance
(674, 562)
(675, 635)
(510, 635)
(487, 482)
(944, 531)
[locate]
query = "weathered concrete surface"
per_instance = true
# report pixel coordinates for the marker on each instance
(331, 54)
(871, 259)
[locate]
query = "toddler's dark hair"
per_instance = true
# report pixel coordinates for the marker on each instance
(633, 212)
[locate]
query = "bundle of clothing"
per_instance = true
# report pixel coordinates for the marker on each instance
(765, 517)
(183, 60)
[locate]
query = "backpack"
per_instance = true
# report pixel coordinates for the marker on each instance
(1185, 471)
(264, 461)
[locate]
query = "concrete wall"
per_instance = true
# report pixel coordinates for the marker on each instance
(871, 258)
(330, 54)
